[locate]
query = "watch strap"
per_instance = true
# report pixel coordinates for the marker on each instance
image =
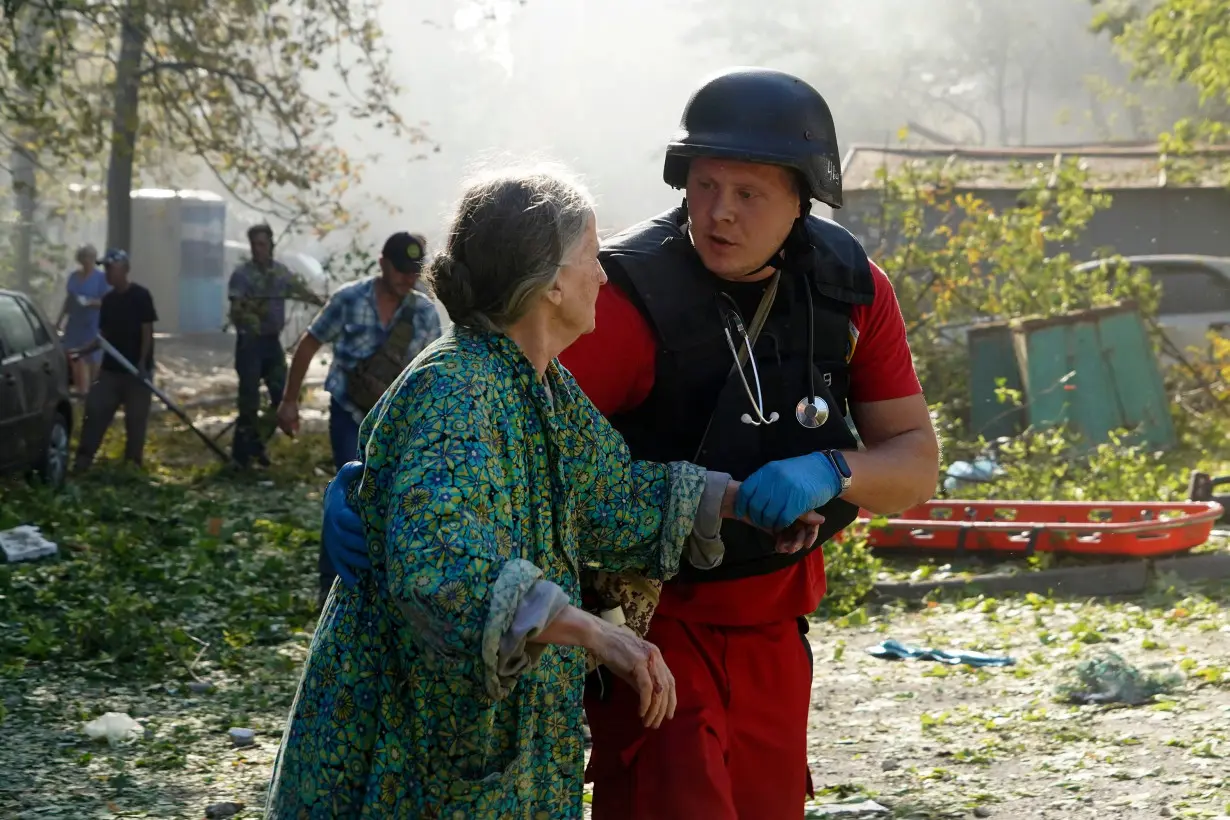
(839, 462)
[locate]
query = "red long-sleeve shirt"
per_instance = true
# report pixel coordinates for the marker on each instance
(615, 366)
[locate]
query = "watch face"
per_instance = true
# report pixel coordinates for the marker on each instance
(839, 461)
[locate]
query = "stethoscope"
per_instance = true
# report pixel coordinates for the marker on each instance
(811, 411)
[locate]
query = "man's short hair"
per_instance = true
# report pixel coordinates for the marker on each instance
(262, 228)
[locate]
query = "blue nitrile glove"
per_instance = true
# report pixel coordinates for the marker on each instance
(341, 532)
(774, 496)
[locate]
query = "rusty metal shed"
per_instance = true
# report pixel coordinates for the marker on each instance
(1159, 206)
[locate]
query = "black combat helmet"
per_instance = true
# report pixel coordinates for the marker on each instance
(759, 115)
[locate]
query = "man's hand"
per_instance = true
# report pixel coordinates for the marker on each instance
(808, 521)
(342, 533)
(288, 417)
(780, 492)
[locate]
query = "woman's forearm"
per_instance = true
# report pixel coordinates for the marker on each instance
(572, 626)
(576, 627)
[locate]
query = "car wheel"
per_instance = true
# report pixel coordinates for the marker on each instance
(53, 468)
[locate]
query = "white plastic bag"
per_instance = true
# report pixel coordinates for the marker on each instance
(25, 543)
(114, 727)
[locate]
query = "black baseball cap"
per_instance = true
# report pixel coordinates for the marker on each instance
(406, 252)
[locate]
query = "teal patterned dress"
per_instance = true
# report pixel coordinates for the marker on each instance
(479, 481)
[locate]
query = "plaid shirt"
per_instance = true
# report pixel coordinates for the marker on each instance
(258, 297)
(349, 321)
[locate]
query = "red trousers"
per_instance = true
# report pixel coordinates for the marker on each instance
(737, 746)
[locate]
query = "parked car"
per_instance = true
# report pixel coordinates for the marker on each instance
(1195, 294)
(36, 412)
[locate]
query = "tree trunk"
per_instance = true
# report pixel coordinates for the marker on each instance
(25, 196)
(127, 95)
(1026, 88)
(1097, 114)
(1001, 98)
(1136, 119)
(25, 184)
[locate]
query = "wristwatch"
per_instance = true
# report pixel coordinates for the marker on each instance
(839, 464)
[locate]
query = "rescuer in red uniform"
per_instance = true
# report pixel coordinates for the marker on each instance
(742, 259)
(753, 149)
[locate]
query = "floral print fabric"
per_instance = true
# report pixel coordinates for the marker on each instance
(479, 481)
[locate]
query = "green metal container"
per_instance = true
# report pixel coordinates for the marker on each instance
(1093, 370)
(992, 360)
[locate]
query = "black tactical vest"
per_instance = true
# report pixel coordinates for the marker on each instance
(694, 385)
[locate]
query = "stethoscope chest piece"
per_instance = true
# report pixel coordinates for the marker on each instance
(811, 412)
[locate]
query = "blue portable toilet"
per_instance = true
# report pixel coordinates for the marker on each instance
(177, 252)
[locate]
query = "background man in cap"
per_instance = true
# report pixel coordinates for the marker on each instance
(258, 290)
(126, 320)
(376, 325)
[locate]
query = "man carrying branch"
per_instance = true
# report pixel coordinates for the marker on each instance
(258, 292)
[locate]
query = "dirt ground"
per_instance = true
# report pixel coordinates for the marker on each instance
(194, 368)
(922, 739)
(198, 373)
(930, 740)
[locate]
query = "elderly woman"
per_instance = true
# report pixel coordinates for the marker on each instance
(448, 682)
(86, 285)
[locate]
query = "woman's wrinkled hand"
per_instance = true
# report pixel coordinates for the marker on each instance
(640, 664)
(800, 535)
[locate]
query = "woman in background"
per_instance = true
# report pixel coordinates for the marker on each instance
(86, 286)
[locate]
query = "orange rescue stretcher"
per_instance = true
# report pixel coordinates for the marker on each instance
(1112, 528)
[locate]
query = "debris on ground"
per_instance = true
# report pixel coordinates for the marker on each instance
(864, 808)
(892, 650)
(1108, 678)
(242, 737)
(114, 727)
(25, 543)
(221, 811)
(963, 473)
(927, 740)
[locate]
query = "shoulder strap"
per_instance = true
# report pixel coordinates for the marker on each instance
(753, 333)
(762, 316)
